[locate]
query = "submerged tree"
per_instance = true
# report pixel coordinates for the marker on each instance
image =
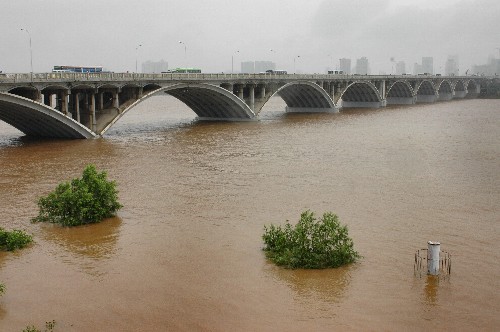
(312, 243)
(81, 201)
(15, 239)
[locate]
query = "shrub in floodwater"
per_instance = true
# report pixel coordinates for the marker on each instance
(312, 243)
(81, 201)
(49, 326)
(12, 240)
(2, 289)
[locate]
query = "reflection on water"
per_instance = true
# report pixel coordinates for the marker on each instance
(326, 285)
(184, 253)
(87, 244)
(431, 290)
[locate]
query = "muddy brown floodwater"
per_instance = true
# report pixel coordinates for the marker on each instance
(184, 253)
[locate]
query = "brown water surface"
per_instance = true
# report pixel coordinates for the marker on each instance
(184, 253)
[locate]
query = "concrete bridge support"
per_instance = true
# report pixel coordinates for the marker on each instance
(426, 93)
(97, 102)
(444, 96)
(473, 90)
(76, 105)
(361, 94)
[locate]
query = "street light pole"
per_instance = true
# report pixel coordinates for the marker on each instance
(136, 52)
(298, 56)
(274, 58)
(31, 52)
(232, 61)
(185, 51)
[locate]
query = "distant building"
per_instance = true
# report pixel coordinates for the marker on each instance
(417, 69)
(428, 65)
(400, 68)
(248, 67)
(362, 66)
(451, 66)
(262, 66)
(345, 66)
(152, 67)
(491, 68)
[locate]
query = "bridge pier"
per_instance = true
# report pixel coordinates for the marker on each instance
(116, 99)
(76, 105)
(93, 119)
(63, 95)
(100, 95)
(401, 100)
(252, 96)
(444, 96)
(426, 98)
(240, 91)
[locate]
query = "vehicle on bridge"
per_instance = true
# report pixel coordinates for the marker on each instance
(183, 70)
(335, 72)
(77, 69)
(276, 72)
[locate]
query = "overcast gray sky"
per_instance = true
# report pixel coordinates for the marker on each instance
(107, 33)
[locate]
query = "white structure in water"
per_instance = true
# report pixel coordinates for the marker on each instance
(433, 249)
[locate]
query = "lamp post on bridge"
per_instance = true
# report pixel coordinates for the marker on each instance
(274, 57)
(298, 56)
(232, 61)
(31, 52)
(185, 51)
(136, 55)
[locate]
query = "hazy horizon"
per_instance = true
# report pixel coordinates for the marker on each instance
(319, 31)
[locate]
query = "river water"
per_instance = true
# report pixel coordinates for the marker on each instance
(184, 253)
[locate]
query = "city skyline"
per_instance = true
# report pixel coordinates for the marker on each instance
(309, 37)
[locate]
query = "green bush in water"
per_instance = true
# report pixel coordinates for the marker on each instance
(81, 201)
(12, 240)
(311, 244)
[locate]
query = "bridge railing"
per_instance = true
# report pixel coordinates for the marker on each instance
(58, 77)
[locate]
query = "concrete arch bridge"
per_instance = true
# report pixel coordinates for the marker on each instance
(86, 105)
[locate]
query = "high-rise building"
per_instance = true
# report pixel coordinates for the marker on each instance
(345, 65)
(362, 66)
(153, 67)
(491, 68)
(417, 69)
(248, 67)
(428, 65)
(262, 66)
(451, 65)
(400, 68)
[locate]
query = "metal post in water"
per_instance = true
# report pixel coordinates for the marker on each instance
(433, 249)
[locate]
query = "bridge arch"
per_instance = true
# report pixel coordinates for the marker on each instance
(36, 119)
(361, 94)
(459, 89)
(150, 87)
(400, 92)
(445, 90)
(473, 89)
(30, 92)
(425, 91)
(305, 97)
(209, 102)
